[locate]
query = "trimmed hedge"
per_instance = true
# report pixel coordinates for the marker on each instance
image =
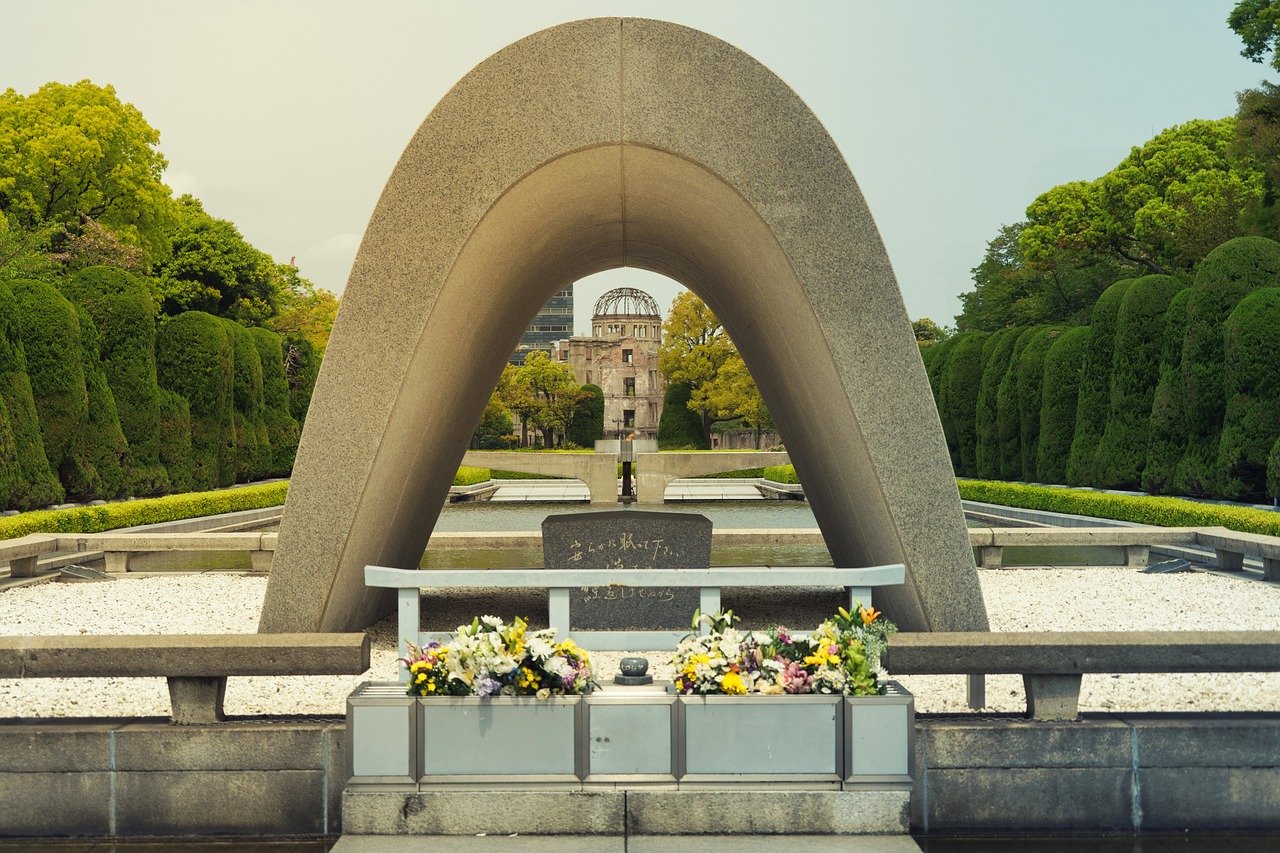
(587, 424)
(1063, 364)
(1251, 424)
(1168, 438)
(958, 399)
(1030, 376)
(103, 444)
(469, 475)
(996, 352)
(678, 427)
(1223, 278)
(302, 368)
(1273, 471)
(124, 312)
(1008, 420)
(1095, 383)
(1166, 512)
(26, 479)
(95, 519)
(253, 446)
(194, 359)
(1135, 373)
(282, 429)
(175, 439)
(781, 474)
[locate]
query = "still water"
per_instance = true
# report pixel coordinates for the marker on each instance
(488, 517)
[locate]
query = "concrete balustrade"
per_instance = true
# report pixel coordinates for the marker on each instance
(656, 471)
(598, 470)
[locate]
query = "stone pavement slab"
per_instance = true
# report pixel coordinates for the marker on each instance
(634, 844)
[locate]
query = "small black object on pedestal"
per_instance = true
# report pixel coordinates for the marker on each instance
(634, 672)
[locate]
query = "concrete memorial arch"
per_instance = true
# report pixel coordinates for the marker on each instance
(591, 145)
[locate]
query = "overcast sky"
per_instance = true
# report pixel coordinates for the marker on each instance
(288, 117)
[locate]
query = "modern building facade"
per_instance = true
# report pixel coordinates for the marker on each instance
(554, 322)
(621, 357)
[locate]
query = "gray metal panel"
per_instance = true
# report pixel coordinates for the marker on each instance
(878, 740)
(762, 736)
(630, 738)
(382, 731)
(507, 737)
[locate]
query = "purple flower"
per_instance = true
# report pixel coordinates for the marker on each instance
(486, 686)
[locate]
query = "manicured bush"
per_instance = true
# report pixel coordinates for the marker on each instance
(95, 519)
(1030, 378)
(996, 353)
(781, 474)
(1223, 278)
(1168, 439)
(587, 424)
(936, 364)
(1273, 471)
(1095, 384)
(30, 481)
(282, 429)
(253, 447)
(469, 475)
(1251, 424)
(124, 312)
(1165, 512)
(175, 439)
(1063, 364)
(958, 398)
(1008, 419)
(1135, 372)
(679, 428)
(194, 359)
(103, 445)
(302, 368)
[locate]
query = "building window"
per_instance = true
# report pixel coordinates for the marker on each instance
(629, 386)
(628, 417)
(564, 355)
(653, 380)
(588, 377)
(626, 356)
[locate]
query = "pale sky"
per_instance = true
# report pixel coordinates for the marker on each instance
(288, 117)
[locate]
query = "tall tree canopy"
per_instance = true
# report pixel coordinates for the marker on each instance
(74, 154)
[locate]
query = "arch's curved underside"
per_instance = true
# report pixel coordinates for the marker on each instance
(592, 145)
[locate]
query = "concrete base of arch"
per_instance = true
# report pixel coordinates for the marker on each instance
(591, 145)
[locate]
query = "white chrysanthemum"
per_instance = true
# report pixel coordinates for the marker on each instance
(556, 666)
(540, 648)
(491, 621)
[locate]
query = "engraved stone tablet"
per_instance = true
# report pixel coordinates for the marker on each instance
(628, 539)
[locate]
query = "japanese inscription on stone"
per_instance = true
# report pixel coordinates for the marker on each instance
(628, 539)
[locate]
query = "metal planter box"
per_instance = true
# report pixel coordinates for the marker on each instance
(499, 739)
(879, 739)
(762, 738)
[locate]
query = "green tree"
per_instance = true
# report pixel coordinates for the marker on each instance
(694, 346)
(1008, 416)
(732, 395)
(547, 394)
(996, 353)
(587, 425)
(195, 359)
(122, 309)
(1135, 372)
(1224, 277)
(678, 427)
(253, 445)
(212, 268)
(1168, 405)
(175, 440)
(74, 154)
(928, 332)
(305, 311)
(1251, 424)
(1030, 376)
(1273, 472)
(1063, 365)
(958, 399)
(1257, 22)
(1094, 397)
(282, 429)
(301, 370)
(27, 481)
(1164, 206)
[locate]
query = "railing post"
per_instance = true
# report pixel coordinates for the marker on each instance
(1271, 569)
(196, 701)
(409, 613)
(990, 556)
(117, 561)
(1052, 697)
(976, 691)
(1137, 555)
(1230, 561)
(261, 561)
(23, 567)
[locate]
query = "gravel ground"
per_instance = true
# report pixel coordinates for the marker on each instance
(1113, 598)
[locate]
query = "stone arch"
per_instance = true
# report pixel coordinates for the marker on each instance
(591, 145)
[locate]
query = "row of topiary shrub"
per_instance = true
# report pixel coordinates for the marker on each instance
(1173, 388)
(100, 398)
(95, 519)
